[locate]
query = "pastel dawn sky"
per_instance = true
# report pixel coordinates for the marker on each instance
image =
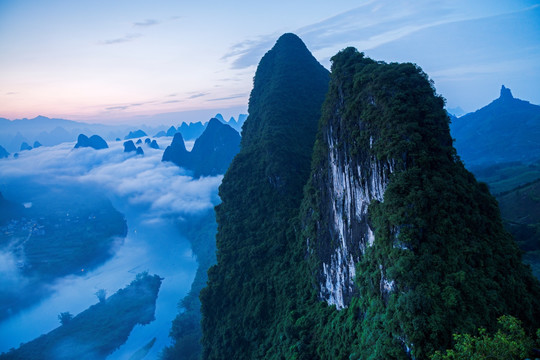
(109, 61)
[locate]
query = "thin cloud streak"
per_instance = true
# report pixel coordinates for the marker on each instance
(237, 96)
(198, 95)
(146, 23)
(366, 27)
(127, 38)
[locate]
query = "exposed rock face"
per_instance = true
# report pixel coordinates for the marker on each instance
(94, 141)
(347, 186)
(394, 223)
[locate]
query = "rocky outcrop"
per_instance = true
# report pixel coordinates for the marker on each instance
(212, 152)
(94, 141)
(129, 146)
(25, 146)
(171, 131)
(176, 152)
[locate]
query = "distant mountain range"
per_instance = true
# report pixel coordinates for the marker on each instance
(193, 130)
(506, 130)
(50, 131)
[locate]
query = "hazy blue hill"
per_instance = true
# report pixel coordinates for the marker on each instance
(9, 210)
(211, 153)
(506, 130)
(25, 146)
(237, 124)
(94, 141)
(214, 150)
(192, 130)
(135, 134)
(15, 142)
(129, 146)
(260, 192)
(99, 330)
(176, 152)
(55, 136)
(3, 152)
(171, 131)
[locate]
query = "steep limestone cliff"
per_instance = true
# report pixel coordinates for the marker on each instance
(396, 227)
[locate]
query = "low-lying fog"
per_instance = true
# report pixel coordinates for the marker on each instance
(152, 195)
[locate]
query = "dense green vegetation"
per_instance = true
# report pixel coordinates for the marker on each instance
(503, 177)
(516, 186)
(520, 210)
(510, 342)
(439, 241)
(99, 330)
(441, 262)
(186, 331)
(260, 193)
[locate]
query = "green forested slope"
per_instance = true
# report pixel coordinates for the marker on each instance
(441, 262)
(260, 193)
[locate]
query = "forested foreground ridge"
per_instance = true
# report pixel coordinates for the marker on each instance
(261, 193)
(392, 246)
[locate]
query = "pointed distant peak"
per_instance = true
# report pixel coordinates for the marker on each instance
(219, 117)
(177, 139)
(505, 93)
(214, 122)
(289, 39)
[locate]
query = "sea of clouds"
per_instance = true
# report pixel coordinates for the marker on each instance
(144, 181)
